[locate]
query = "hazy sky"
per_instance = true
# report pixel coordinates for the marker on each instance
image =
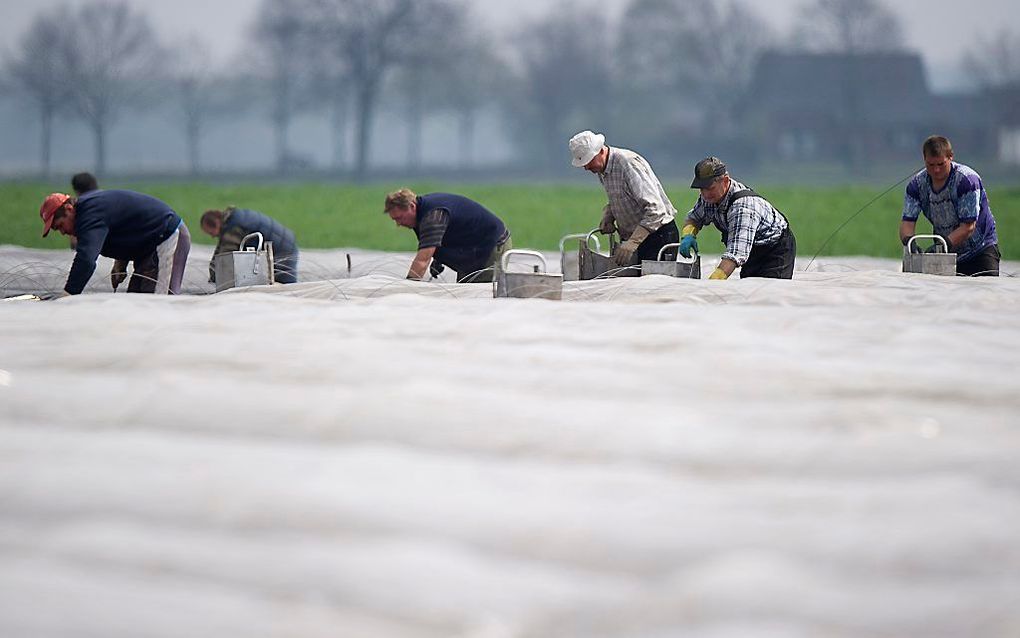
(941, 30)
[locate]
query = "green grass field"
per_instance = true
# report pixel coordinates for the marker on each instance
(326, 215)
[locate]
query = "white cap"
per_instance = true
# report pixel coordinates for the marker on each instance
(585, 146)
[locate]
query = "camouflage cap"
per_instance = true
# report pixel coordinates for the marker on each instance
(706, 171)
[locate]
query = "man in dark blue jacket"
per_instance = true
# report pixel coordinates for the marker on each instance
(231, 226)
(146, 270)
(452, 231)
(121, 225)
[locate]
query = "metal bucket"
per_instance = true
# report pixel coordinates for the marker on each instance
(527, 285)
(595, 265)
(681, 267)
(245, 266)
(936, 263)
(569, 261)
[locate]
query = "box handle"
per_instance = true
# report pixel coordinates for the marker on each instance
(938, 238)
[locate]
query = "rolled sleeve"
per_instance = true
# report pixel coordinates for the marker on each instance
(911, 203)
(432, 228)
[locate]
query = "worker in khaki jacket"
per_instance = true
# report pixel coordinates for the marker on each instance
(638, 207)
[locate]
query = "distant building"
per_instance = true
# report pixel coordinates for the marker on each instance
(853, 108)
(1005, 104)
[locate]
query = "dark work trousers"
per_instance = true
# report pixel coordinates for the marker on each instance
(774, 260)
(983, 264)
(650, 247)
(144, 274)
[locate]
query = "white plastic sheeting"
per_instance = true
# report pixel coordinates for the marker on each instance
(830, 456)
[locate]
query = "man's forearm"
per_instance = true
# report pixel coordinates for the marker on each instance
(907, 230)
(961, 234)
(420, 264)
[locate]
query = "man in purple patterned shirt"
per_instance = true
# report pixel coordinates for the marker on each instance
(954, 200)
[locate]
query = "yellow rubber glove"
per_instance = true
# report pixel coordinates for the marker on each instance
(718, 273)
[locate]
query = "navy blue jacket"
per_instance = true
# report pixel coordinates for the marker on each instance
(116, 224)
(471, 235)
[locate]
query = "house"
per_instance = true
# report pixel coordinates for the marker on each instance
(851, 108)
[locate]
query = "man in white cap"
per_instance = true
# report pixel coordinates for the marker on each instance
(638, 207)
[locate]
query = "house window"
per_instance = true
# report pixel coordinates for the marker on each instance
(1009, 146)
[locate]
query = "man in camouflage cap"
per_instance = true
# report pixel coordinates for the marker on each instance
(757, 236)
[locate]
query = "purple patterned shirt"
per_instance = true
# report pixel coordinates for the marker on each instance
(962, 200)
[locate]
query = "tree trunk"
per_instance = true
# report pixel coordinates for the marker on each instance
(365, 107)
(47, 138)
(341, 106)
(281, 119)
(99, 132)
(192, 134)
(466, 131)
(414, 126)
(281, 124)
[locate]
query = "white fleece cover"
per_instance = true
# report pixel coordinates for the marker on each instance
(837, 455)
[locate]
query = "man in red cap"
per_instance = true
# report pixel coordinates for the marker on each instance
(122, 225)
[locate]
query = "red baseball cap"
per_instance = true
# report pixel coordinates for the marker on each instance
(49, 208)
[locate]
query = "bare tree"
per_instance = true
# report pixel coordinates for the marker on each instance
(330, 80)
(848, 26)
(374, 35)
(281, 57)
(563, 81)
(110, 53)
(202, 94)
(423, 65)
(476, 77)
(995, 62)
(38, 71)
(672, 48)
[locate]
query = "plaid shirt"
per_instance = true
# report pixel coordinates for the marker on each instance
(749, 222)
(634, 192)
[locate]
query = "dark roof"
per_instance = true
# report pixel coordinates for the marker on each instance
(880, 87)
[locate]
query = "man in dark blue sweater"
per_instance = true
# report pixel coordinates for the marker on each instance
(452, 231)
(121, 225)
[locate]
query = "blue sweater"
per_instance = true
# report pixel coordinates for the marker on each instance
(119, 225)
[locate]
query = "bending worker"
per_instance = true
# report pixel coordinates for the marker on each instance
(757, 236)
(954, 200)
(146, 269)
(232, 225)
(638, 207)
(122, 225)
(452, 231)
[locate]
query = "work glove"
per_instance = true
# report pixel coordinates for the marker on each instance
(119, 273)
(624, 253)
(436, 268)
(718, 273)
(608, 225)
(936, 246)
(688, 240)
